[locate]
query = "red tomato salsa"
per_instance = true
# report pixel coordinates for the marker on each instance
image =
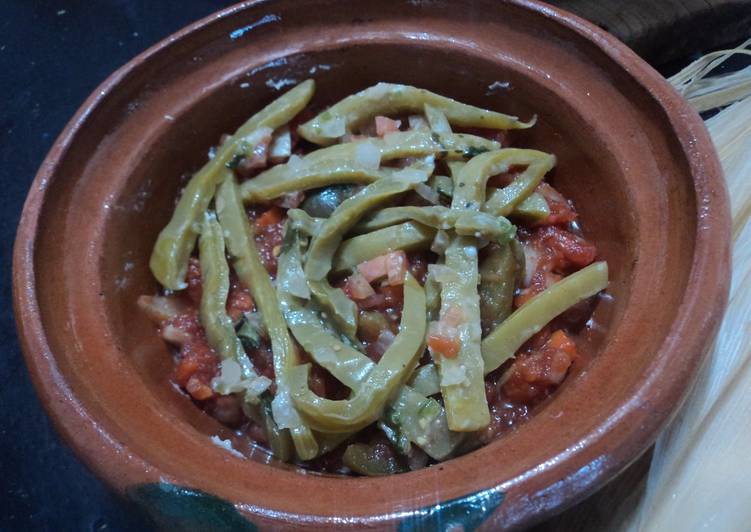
(552, 245)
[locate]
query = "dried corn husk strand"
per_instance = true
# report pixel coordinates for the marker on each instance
(706, 93)
(700, 476)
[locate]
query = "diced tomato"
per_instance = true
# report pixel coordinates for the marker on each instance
(270, 217)
(396, 267)
(269, 232)
(393, 297)
(238, 301)
(386, 299)
(185, 370)
(258, 160)
(392, 265)
(384, 125)
(538, 340)
(444, 345)
(197, 366)
(561, 209)
(535, 374)
(569, 249)
(541, 280)
(357, 287)
(291, 200)
(193, 278)
(373, 269)
(560, 340)
(263, 360)
(373, 302)
(187, 323)
(198, 390)
(519, 390)
(443, 335)
(551, 251)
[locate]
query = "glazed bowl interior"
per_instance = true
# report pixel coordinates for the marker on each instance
(118, 174)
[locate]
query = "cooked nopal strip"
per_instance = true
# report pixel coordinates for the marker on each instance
(169, 259)
(247, 263)
(369, 400)
(530, 318)
(220, 332)
(389, 98)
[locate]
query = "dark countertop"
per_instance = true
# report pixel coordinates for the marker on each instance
(52, 55)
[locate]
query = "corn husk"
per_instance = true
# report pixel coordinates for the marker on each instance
(704, 92)
(700, 476)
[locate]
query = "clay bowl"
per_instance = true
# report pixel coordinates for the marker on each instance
(634, 157)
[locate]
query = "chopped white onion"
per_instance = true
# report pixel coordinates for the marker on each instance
(231, 372)
(281, 145)
(258, 136)
(283, 410)
(228, 380)
(294, 281)
(367, 155)
(296, 163)
(417, 122)
(430, 195)
(437, 120)
(173, 335)
(412, 175)
(255, 387)
(453, 374)
(334, 128)
(440, 242)
(531, 258)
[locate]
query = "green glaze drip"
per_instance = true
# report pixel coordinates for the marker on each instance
(174, 507)
(464, 513)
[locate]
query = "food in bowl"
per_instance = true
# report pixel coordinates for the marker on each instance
(380, 287)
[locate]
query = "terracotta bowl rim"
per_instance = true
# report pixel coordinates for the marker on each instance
(695, 322)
